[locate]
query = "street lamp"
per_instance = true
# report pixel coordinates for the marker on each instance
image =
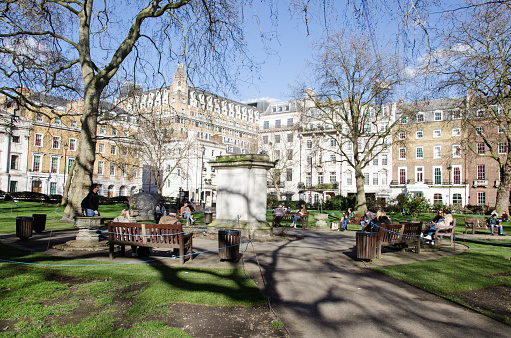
(203, 149)
(449, 168)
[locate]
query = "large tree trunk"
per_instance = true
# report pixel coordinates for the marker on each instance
(361, 194)
(502, 203)
(82, 176)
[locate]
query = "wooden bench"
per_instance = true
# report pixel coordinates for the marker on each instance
(288, 217)
(356, 219)
(475, 223)
(392, 234)
(446, 232)
(149, 235)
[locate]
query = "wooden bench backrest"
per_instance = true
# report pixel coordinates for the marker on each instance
(145, 233)
(390, 232)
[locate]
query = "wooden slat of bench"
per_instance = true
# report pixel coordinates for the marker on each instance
(288, 217)
(475, 223)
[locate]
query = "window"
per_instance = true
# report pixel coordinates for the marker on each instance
(72, 144)
(39, 118)
(289, 174)
(375, 160)
(36, 164)
(15, 162)
(14, 186)
(437, 133)
(366, 178)
(437, 152)
(290, 137)
(124, 170)
(456, 132)
(437, 175)
(73, 124)
(320, 178)
(15, 139)
(419, 134)
(383, 159)
(502, 147)
(265, 139)
(126, 134)
(481, 198)
(419, 152)
(402, 135)
(124, 151)
(384, 178)
(135, 172)
(290, 154)
(277, 124)
(290, 122)
(480, 148)
(402, 176)
(456, 199)
(114, 132)
(308, 180)
(419, 174)
(55, 143)
(53, 188)
(309, 144)
(349, 178)
(402, 153)
(438, 115)
(277, 138)
(456, 175)
(481, 172)
(101, 148)
(135, 153)
(456, 151)
(266, 125)
(70, 162)
(437, 198)
(38, 141)
(57, 121)
(420, 117)
(333, 177)
(101, 166)
(332, 157)
(333, 143)
(501, 130)
(112, 169)
(54, 165)
(102, 129)
(480, 130)
(375, 178)
(309, 160)
(113, 149)
(480, 113)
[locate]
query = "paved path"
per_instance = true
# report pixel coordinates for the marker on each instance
(318, 288)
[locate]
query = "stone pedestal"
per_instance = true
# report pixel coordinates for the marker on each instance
(241, 191)
(321, 221)
(87, 238)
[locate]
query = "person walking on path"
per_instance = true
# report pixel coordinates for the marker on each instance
(90, 203)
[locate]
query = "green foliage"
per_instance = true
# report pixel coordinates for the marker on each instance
(415, 205)
(271, 201)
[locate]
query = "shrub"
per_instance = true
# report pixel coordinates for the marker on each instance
(271, 201)
(30, 196)
(416, 204)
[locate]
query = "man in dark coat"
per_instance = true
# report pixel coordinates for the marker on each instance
(90, 203)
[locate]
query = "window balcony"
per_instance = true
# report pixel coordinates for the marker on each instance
(480, 183)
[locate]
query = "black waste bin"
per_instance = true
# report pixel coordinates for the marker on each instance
(39, 222)
(229, 244)
(24, 227)
(208, 217)
(366, 244)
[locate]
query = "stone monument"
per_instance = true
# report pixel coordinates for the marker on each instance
(241, 190)
(142, 205)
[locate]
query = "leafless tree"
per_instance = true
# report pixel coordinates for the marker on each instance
(474, 58)
(75, 49)
(348, 106)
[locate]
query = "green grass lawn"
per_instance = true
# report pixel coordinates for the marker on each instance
(96, 299)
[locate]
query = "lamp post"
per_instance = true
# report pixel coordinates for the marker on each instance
(65, 166)
(203, 149)
(449, 168)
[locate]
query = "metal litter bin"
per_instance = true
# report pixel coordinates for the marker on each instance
(24, 227)
(366, 244)
(39, 222)
(208, 217)
(229, 244)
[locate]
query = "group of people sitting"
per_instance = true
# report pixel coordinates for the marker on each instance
(280, 211)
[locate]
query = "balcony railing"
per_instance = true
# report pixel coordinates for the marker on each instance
(480, 183)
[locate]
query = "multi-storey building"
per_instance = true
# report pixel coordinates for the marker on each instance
(44, 144)
(213, 125)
